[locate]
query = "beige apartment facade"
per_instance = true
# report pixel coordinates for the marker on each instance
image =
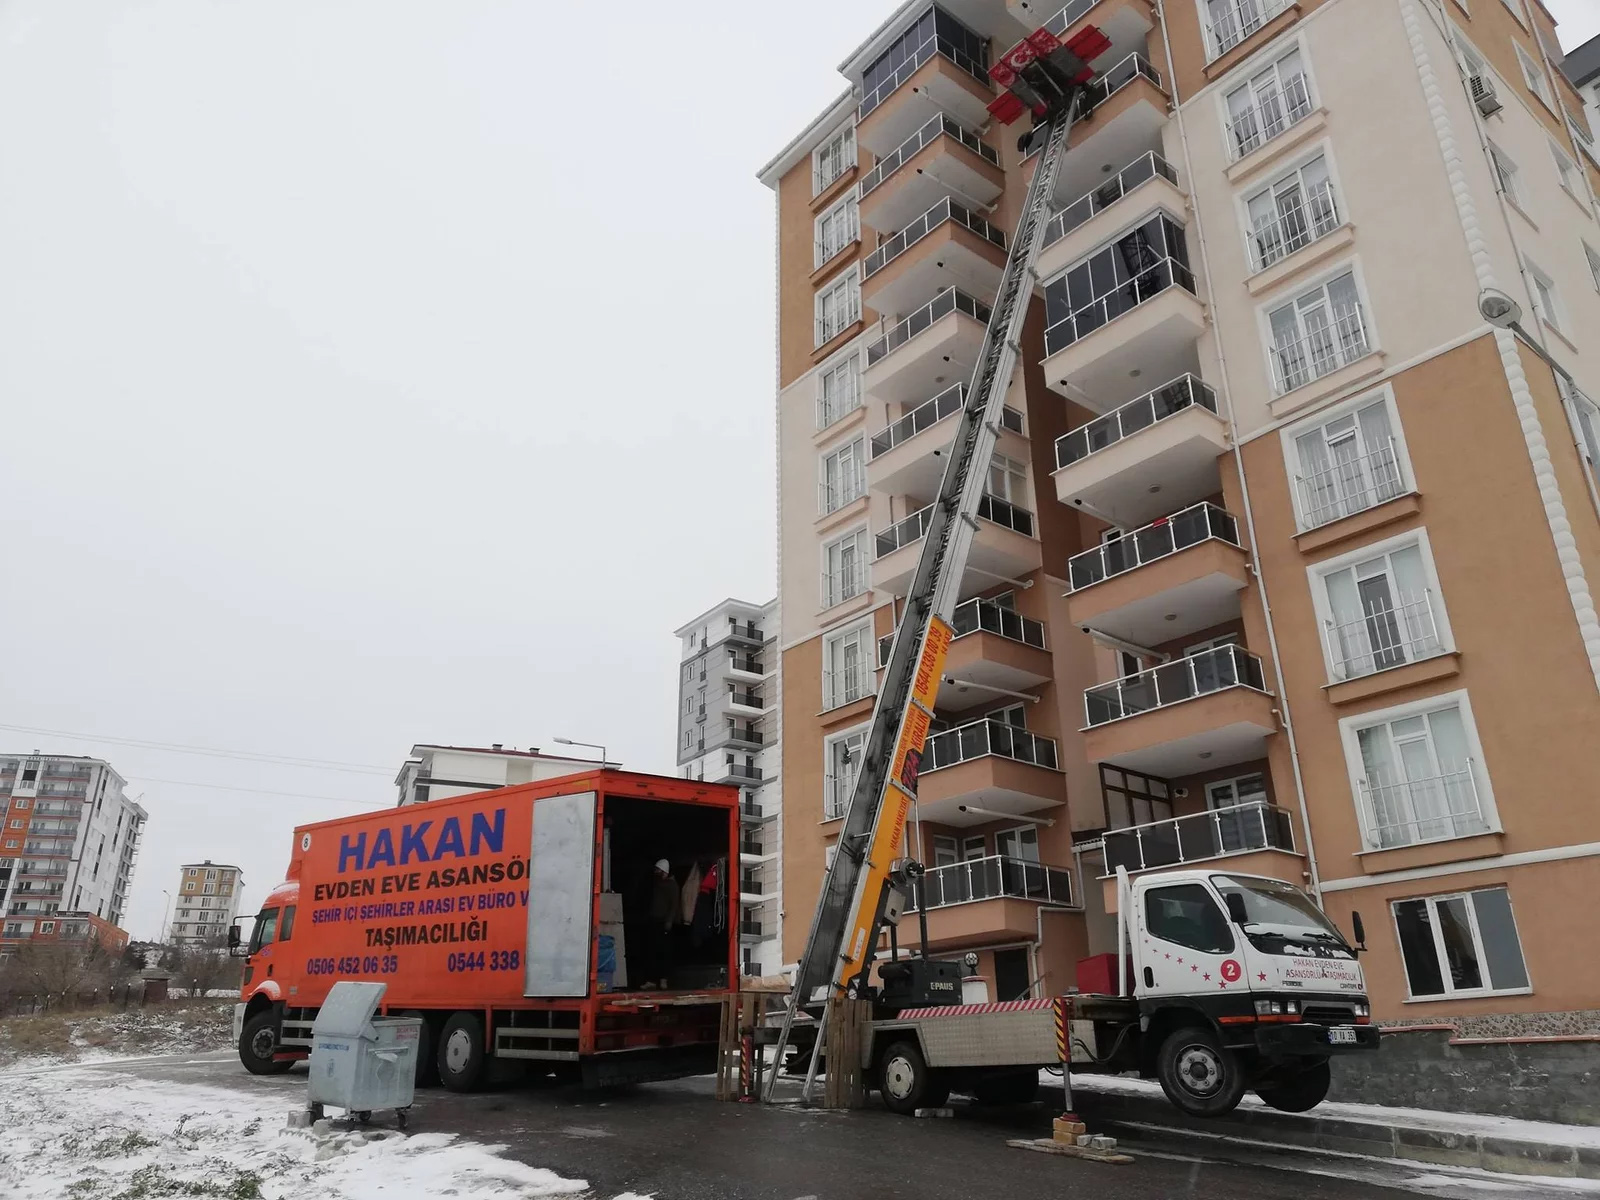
(206, 903)
(1291, 556)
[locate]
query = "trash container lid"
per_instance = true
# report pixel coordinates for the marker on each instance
(347, 1012)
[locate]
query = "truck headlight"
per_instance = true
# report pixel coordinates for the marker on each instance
(1291, 1006)
(1269, 1008)
(1363, 1010)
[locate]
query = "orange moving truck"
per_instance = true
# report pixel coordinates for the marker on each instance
(528, 924)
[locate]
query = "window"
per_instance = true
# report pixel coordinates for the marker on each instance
(1533, 75)
(22, 801)
(1516, 10)
(837, 228)
(1272, 101)
(1347, 464)
(1508, 176)
(935, 31)
(1380, 611)
(1186, 915)
(844, 476)
(838, 390)
(1593, 258)
(1008, 479)
(287, 929)
(47, 926)
(1294, 212)
(1230, 793)
(847, 673)
(1586, 415)
(1417, 778)
(1021, 842)
(844, 563)
(1461, 944)
(838, 306)
(1546, 300)
(946, 851)
(1567, 170)
(1229, 22)
(843, 765)
(1317, 333)
(1133, 799)
(832, 159)
(1138, 266)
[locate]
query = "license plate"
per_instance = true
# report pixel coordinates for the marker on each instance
(1341, 1036)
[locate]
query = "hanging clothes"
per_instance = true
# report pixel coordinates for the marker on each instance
(706, 907)
(691, 892)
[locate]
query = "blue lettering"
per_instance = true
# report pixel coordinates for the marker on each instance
(382, 850)
(449, 843)
(411, 843)
(348, 850)
(488, 836)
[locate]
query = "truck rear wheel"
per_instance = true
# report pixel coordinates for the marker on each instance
(259, 1042)
(1289, 1089)
(907, 1083)
(1199, 1075)
(461, 1058)
(1007, 1087)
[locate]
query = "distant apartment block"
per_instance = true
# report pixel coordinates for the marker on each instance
(728, 732)
(206, 902)
(440, 772)
(68, 847)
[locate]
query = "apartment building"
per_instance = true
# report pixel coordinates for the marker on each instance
(440, 772)
(205, 902)
(728, 732)
(68, 848)
(1289, 556)
(1582, 67)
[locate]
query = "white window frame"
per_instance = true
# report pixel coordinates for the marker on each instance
(1508, 178)
(856, 733)
(1015, 474)
(1355, 768)
(1015, 832)
(1317, 578)
(1233, 782)
(830, 243)
(835, 697)
(1517, 11)
(1556, 317)
(1449, 992)
(1264, 311)
(845, 398)
(1592, 257)
(1584, 416)
(1243, 197)
(828, 165)
(828, 598)
(1290, 435)
(849, 283)
(1256, 13)
(1534, 77)
(850, 476)
(1569, 173)
(1270, 57)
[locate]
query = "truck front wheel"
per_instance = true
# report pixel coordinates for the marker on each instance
(1198, 1074)
(461, 1057)
(259, 1042)
(906, 1081)
(1289, 1089)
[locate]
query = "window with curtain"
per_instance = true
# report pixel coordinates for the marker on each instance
(1382, 614)
(1348, 464)
(847, 673)
(1293, 212)
(1418, 781)
(844, 476)
(838, 390)
(1270, 102)
(844, 765)
(1317, 333)
(844, 568)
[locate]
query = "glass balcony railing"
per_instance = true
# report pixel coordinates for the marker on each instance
(915, 527)
(1141, 170)
(996, 876)
(741, 772)
(1199, 836)
(946, 210)
(1003, 512)
(1116, 77)
(940, 126)
(983, 616)
(1157, 540)
(946, 302)
(1121, 299)
(1168, 400)
(936, 45)
(979, 739)
(928, 414)
(1201, 674)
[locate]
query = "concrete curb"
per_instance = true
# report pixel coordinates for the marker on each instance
(1310, 1132)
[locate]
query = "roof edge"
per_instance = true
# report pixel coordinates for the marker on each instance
(800, 145)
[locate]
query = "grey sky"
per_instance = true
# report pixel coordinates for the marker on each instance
(378, 372)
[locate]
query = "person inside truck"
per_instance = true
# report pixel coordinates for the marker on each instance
(665, 906)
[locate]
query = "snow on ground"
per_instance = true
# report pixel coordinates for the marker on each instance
(96, 1135)
(99, 1034)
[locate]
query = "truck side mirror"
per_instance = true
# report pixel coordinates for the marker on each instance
(1360, 929)
(233, 937)
(1236, 910)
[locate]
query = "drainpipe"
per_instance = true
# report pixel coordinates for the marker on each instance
(1244, 486)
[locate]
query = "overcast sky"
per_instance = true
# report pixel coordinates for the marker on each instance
(381, 371)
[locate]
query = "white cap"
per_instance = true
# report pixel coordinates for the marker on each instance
(663, 865)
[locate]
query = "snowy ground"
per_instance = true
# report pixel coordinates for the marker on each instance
(98, 1135)
(97, 1034)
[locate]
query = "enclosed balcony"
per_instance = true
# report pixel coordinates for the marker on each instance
(1249, 839)
(908, 457)
(1205, 710)
(1147, 183)
(994, 647)
(939, 65)
(1175, 576)
(1129, 465)
(995, 898)
(1130, 306)
(942, 160)
(934, 347)
(988, 765)
(947, 246)
(1129, 108)
(1003, 547)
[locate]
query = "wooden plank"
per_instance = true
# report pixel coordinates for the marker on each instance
(1065, 1150)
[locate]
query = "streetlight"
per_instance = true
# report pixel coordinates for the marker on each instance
(1503, 312)
(590, 745)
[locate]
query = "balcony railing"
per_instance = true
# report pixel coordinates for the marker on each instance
(946, 302)
(935, 45)
(1141, 170)
(1237, 21)
(1350, 487)
(844, 584)
(1124, 298)
(1382, 637)
(1276, 109)
(1296, 223)
(983, 616)
(928, 414)
(1159, 539)
(1116, 77)
(1068, 16)
(1431, 809)
(748, 665)
(836, 791)
(836, 320)
(839, 403)
(1155, 406)
(1320, 350)
(994, 877)
(1182, 679)
(745, 734)
(740, 771)
(945, 210)
(44, 809)
(915, 527)
(749, 810)
(751, 929)
(913, 145)
(847, 685)
(1199, 836)
(1003, 512)
(747, 699)
(987, 737)
(835, 494)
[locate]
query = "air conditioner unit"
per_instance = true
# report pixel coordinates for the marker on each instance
(1483, 95)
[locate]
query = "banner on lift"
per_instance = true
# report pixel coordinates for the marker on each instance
(902, 786)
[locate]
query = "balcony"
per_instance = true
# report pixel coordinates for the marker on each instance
(1383, 637)
(1174, 577)
(947, 246)
(943, 159)
(1003, 547)
(1412, 812)
(745, 704)
(745, 670)
(1252, 839)
(1206, 710)
(943, 78)
(737, 773)
(751, 931)
(1320, 350)
(907, 457)
(740, 735)
(994, 647)
(751, 813)
(1147, 183)
(996, 898)
(932, 348)
(989, 765)
(1129, 108)
(1136, 460)
(1349, 487)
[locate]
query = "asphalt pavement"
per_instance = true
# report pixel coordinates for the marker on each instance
(673, 1141)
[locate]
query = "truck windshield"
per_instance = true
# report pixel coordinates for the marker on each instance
(1280, 913)
(266, 927)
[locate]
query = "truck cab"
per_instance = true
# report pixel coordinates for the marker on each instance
(261, 995)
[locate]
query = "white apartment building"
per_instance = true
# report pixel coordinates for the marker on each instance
(206, 902)
(440, 772)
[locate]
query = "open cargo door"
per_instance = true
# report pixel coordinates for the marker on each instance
(561, 896)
